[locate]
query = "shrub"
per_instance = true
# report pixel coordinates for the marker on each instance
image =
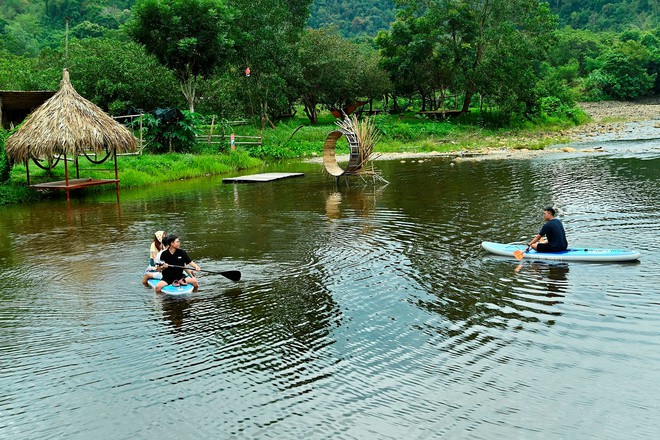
(177, 136)
(5, 166)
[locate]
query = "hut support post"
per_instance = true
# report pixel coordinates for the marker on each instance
(77, 168)
(66, 178)
(27, 170)
(116, 175)
(27, 166)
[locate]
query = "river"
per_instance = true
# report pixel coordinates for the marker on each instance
(367, 311)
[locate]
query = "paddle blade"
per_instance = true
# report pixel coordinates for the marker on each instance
(518, 254)
(233, 275)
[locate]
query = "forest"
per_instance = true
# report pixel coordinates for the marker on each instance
(510, 59)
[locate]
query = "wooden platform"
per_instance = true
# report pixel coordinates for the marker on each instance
(263, 177)
(73, 184)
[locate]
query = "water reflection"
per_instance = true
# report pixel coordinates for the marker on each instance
(552, 275)
(176, 310)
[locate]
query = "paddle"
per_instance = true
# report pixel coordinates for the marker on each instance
(520, 254)
(233, 275)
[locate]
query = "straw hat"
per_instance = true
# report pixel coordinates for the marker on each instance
(159, 235)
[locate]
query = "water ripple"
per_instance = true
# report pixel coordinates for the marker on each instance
(361, 313)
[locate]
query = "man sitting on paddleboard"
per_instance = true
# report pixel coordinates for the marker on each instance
(553, 230)
(175, 256)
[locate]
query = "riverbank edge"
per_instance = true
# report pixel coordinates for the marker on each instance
(608, 117)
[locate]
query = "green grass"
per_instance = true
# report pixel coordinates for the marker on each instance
(297, 138)
(134, 171)
(409, 132)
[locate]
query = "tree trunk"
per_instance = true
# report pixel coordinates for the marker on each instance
(188, 89)
(309, 104)
(466, 101)
(469, 90)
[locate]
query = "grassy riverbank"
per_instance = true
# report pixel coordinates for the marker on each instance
(134, 171)
(410, 133)
(296, 138)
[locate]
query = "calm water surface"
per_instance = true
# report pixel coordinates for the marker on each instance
(364, 312)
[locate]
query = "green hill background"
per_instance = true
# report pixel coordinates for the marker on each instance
(26, 26)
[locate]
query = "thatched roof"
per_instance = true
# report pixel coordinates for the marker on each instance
(68, 124)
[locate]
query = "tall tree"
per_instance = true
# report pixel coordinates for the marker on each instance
(336, 72)
(266, 33)
(328, 73)
(481, 46)
(119, 77)
(191, 37)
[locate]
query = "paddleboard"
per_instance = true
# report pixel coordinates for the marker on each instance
(170, 290)
(570, 254)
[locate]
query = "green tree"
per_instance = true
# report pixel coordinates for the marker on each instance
(582, 46)
(407, 56)
(188, 36)
(266, 43)
(373, 80)
(20, 36)
(336, 72)
(477, 46)
(624, 73)
(328, 74)
(118, 77)
(26, 73)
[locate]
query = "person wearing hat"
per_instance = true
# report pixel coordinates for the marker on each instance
(155, 271)
(156, 246)
(553, 230)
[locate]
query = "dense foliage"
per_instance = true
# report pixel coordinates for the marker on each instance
(363, 17)
(506, 59)
(266, 43)
(608, 15)
(354, 17)
(191, 37)
(5, 168)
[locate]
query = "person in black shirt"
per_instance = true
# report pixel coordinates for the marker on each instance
(175, 256)
(553, 230)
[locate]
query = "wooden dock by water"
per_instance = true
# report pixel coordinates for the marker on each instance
(73, 184)
(263, 177)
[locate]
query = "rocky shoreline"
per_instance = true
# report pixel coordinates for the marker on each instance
(610, 118)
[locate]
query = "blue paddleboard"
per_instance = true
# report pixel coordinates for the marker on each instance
(171, 290)
(570, 254)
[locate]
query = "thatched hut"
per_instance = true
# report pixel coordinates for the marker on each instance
(65, 127)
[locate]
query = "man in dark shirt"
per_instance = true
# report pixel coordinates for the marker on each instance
(175, 256)
(553, 230)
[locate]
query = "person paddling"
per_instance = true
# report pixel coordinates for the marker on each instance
(175, 256)
(553, 230)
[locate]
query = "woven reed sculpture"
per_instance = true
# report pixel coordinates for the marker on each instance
(362, 137)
